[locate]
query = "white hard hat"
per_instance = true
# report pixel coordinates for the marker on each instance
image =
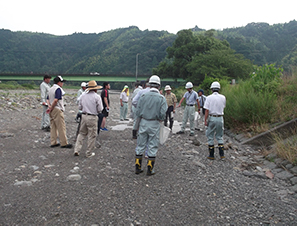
(215, 85)
(167, 87)
(83, 84)
(189, 85)
(155, 79)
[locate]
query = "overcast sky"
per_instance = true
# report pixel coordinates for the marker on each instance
(64, 17)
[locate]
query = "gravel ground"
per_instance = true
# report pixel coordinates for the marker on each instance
(49, 186)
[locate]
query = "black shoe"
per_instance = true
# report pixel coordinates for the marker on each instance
(47, 129)
(55, 145)
(76, 154)
(180, 132)
(67, 146)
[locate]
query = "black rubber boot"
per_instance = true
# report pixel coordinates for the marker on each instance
(138, 161)
(221, 151)
(150, 166)
(211, 152)
(134, 134)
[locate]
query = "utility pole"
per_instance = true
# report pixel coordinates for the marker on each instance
(136, 66)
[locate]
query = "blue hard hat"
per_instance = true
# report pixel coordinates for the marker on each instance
(201, 90)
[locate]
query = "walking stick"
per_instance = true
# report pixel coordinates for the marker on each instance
(77, 131)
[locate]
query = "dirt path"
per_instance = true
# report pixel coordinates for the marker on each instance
(188, 189)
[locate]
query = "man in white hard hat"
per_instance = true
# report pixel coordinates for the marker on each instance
(151, 109)
(171, 103)
(214, 111)
(90, 103)
(83, 86)
(189, 113)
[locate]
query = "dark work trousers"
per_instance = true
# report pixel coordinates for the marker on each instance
(169, 115)
(100, 117)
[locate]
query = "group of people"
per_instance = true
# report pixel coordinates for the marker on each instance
(89, 104)
(211, 110)
(149, 108)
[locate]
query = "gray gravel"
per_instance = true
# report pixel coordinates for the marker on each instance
(49, 186)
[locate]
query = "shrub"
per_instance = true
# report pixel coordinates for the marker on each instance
(246, 107)
(266, 78)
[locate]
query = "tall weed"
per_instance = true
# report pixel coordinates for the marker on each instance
(246, 107)
(286, 149)
(287, 98)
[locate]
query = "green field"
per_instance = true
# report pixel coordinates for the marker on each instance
(82, 78)
(116, 81)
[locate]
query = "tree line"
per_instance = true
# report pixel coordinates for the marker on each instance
(192, 54)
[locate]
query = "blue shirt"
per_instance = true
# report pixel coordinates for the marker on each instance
(58, 94)
(191, 97)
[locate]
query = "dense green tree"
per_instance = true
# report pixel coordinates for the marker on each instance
(262, 43)
(289, 62)
(191, 57)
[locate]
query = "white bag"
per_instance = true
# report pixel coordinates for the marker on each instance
(164, 133)
(197, 116)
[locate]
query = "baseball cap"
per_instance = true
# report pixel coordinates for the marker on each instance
(59, 79)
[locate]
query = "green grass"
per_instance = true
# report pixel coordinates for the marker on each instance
(84, 78)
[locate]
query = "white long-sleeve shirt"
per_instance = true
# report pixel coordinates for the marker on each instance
(44, 88)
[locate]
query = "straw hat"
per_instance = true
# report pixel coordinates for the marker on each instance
(92, 85)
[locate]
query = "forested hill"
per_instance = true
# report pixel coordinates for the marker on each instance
(109, 52)
(114, 52)
(263, 43)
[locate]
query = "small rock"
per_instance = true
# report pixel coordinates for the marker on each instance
(49, 166)
(284, 175)
(294, 169)
(270, 165)
(247, 173)
(23, 183)
(196, 142)
(259, 168)
(289, 166)
(197, 163)
(293, 180)
(34, 167)
(294, 188)
(42, 157)
(74, 177)
(37, 172)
